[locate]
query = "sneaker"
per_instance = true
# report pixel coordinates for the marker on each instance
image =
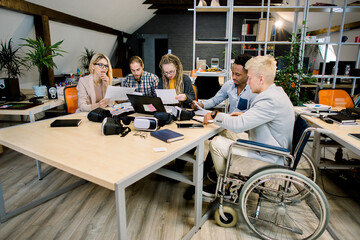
(209, 190)
(212, 176)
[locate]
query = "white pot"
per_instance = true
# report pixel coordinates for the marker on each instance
(40, 91)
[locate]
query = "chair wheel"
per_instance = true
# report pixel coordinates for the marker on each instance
(230, 213)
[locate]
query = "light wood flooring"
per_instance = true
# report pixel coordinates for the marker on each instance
(155, 208)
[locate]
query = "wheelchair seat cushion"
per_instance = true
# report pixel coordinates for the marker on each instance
(263, 145)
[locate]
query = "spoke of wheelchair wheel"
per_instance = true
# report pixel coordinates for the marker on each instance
(304, 209)
(294, 230)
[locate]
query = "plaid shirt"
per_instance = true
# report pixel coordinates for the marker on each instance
(149, 82)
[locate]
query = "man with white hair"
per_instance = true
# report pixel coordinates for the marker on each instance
(269, 120)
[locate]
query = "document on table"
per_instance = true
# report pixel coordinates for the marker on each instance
(118, 93)
(167, 95)
(200, 111)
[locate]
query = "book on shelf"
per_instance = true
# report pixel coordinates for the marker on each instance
(245, 29)
(167, 135)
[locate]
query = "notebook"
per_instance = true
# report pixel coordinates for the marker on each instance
(146, 104)
(343, 119)
(66, 123)
(167, 135)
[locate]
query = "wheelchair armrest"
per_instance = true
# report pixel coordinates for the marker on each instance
(257, 146)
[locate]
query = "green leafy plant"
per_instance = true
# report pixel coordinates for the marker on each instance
(293, 74)
(10, 59)
(85, 59)
(40, 55)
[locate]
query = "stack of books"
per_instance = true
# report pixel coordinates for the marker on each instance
(343, 119)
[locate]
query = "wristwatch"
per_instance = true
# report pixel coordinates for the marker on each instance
(213, 114)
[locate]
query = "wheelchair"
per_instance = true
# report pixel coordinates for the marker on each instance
(276, 202)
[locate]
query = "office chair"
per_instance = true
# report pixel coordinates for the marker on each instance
(71, 99)
(195, 91)
(117, 72)
(335, 98)
(276, 202)
(207, 86)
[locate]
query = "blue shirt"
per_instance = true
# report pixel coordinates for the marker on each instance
(238, 103)
(149, 82)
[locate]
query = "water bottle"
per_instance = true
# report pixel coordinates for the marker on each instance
(347, 70)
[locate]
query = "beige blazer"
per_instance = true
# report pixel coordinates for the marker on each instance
(86, 93)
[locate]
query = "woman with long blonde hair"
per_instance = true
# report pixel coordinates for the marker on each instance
(92, 88)
(173, 78)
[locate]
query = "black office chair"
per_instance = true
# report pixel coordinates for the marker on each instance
(207, 86)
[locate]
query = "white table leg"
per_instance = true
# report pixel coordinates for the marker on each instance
(120, 211)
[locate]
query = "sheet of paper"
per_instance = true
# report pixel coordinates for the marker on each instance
(167, 95)
(201, 112)
(118, 93)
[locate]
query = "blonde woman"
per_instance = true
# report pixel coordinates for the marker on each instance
(173, 78)
(92, 88)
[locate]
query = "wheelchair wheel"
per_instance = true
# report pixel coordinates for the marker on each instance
(230, 213)
(306, 167)
(272, 208)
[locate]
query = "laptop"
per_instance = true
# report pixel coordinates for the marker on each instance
(146, 104)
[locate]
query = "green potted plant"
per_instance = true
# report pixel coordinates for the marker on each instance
(10, 60)
(85, 59)
(293, 74)
(11, 63)
(42, 57)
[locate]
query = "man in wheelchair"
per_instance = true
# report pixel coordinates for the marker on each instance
(270, 120)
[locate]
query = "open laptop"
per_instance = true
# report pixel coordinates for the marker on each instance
(146, 104)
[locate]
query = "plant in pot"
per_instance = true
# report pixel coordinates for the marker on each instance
(85, 59)
(42, 57)
(293, 73)
(11, 62)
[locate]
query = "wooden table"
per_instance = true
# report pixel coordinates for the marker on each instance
(338, 133)
(47, 104)
(113, 162)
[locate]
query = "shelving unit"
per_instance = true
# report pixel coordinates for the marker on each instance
(251, 36)
(304, 8)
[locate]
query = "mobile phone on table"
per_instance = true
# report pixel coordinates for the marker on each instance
(189, 125)
(355, 135)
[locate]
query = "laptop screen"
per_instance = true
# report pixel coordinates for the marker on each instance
(146, 104)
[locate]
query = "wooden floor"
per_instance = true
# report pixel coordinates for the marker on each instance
(155, 208)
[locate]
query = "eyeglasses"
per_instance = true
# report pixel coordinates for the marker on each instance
(170, 73)
(102, 65)
(141, 134)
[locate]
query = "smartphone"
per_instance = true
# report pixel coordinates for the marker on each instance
(189, 125)
(355, 135)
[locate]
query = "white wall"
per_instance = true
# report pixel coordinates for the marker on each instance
(16, 25)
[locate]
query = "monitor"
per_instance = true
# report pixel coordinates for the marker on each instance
(341, 67)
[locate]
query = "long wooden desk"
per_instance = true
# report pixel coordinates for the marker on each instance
(110, 161)
(48, 104)
(338, 133)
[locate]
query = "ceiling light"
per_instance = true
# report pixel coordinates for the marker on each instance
(278, 24)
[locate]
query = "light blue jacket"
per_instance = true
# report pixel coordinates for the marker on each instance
(229, 90)
(269, 120)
